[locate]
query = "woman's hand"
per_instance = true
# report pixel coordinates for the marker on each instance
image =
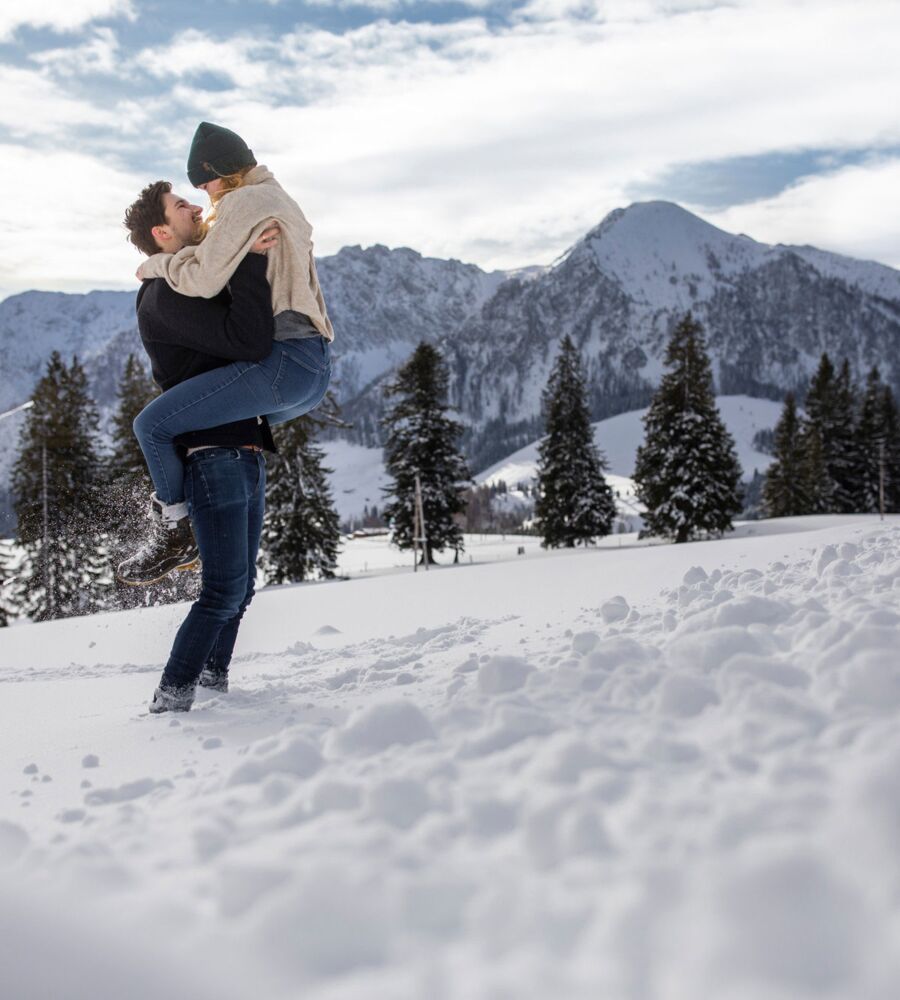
(267, 240)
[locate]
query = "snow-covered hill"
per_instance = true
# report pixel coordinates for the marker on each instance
(666, 772)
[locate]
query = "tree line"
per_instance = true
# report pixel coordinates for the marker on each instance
(842, 454)
(80, 509)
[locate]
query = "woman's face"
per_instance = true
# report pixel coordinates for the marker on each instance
(211, 187)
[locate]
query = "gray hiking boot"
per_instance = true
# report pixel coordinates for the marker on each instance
(171, 546)
(212, 680)
(172, 699)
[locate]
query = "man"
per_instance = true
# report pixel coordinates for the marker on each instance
(225, 471)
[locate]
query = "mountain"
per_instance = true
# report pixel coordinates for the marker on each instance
(769, 312)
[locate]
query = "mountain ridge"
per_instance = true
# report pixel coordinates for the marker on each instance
(768, 310)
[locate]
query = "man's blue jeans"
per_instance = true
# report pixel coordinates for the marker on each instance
(291, 381)
(226, 497)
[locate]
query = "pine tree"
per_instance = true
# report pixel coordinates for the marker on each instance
(816, 484)
(574, 503)
(783, 492)
(302, 529)
(831, 407)
(891, 434)
(870, 443)
(420, 439)
(8, 604)
(846, 460)
(687, 473)
(55, 484)
(135, 390)
(127, 496)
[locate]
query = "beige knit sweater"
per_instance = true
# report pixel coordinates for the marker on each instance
(241, 216)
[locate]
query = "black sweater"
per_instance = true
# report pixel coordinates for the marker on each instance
(186, 336)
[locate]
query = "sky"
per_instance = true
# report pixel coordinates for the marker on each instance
(494, 133)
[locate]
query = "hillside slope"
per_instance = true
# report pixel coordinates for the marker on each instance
(544, 778)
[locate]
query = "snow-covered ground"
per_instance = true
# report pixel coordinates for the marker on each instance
(647, 773)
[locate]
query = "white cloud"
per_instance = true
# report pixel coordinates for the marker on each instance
(242, 59)
(34, 107)
(99, 54)
(501, 145)
(59, 15)
(847, 211)
(62, 223)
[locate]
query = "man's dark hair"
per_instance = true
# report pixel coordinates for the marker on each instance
(148, 211)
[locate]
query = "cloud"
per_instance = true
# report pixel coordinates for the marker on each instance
(100, 54)
(847, 211)
(35, 107)
(59, 15)
(65, 232)
(492, 142)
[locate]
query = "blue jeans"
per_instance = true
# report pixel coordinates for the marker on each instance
(291, 381)
(226, 497)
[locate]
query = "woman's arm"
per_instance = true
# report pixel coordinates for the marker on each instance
(239, 331)
(203, 271)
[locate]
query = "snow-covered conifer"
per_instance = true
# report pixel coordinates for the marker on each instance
(302, 529)
(686, 471)
(816, 484)
(55, 482)
(9, 605)
(783, 492)
(574, 502)
(870, 443)
(421, 439)
(891, 424)
(831, 408)
(135, 390)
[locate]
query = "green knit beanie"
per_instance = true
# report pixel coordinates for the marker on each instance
(216, 152)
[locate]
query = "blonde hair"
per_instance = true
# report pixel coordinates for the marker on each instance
(230, 182)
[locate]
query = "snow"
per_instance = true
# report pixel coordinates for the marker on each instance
(357, 478)
(660, 771)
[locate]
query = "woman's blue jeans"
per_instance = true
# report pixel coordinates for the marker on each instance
(291, 381)
(226, 498)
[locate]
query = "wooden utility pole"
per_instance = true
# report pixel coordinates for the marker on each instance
(419, 533)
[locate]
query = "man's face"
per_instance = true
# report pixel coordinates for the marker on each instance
(184, 224)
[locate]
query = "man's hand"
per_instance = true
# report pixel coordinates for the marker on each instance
(267, 240)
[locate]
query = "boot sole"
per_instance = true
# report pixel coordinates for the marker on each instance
(193, 564)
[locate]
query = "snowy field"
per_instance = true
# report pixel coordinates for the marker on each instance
(637, 773)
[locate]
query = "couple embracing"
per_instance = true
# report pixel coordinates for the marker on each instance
(233, 319)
